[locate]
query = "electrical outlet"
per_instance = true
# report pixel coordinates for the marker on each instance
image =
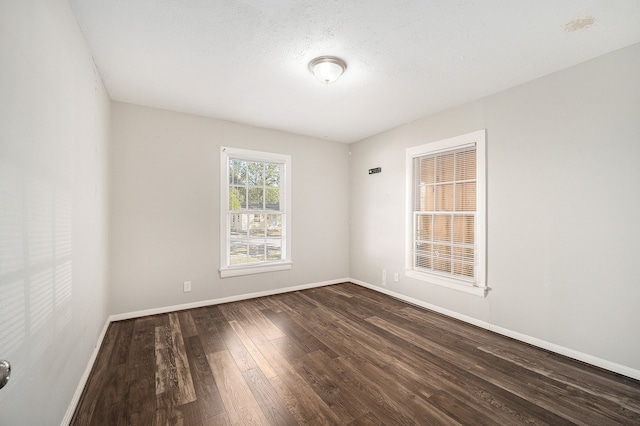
(396, 277)
(187, 286)
(384, 277)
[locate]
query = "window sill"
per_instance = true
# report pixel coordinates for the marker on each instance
(448, 283)
(248, 270)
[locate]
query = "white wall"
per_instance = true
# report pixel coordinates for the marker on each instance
(54, 124)
(165, 208)
(563, 207)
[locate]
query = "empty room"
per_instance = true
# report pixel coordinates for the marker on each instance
(293, 212)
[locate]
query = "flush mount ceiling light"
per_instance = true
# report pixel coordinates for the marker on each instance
(327, 69)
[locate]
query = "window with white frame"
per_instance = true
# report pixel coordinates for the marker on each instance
(255, 214)
(446, 223)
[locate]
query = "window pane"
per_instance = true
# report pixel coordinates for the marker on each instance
(256, 250)
(424, 256)
(466, 165)
(424, 227)
(445, 167)
(272, 199)
(237, 172)
(464, 230)
(238, 252)
(274, 225)
(442, 228)
(463, 254)
(256, 173)
(466, 197)
(274, 249)
(239, 225)
(256, 225)
(272, 175)
(256, 198)
(464, 269)
(444, 198)
(237, 198)
(442, 258)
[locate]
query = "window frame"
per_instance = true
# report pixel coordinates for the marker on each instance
(226, 269)
(477, 286)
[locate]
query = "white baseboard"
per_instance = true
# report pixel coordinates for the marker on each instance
(130, 315)
(571, 353)
(199, 304)
(85, 376)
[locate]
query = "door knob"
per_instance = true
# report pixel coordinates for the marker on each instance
(5, 372)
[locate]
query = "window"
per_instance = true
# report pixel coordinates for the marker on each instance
(446, 219)
(254, 212)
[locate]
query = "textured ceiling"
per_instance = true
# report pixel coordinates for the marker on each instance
(246, 60)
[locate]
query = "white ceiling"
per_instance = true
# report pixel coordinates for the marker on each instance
(246, 60)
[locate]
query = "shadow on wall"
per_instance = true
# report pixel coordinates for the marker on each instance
(36, 265)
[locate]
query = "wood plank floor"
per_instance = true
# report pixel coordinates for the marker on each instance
(340, 354)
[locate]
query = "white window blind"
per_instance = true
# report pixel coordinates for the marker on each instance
(444, 213)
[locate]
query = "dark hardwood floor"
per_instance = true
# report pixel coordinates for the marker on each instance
(340, 354)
